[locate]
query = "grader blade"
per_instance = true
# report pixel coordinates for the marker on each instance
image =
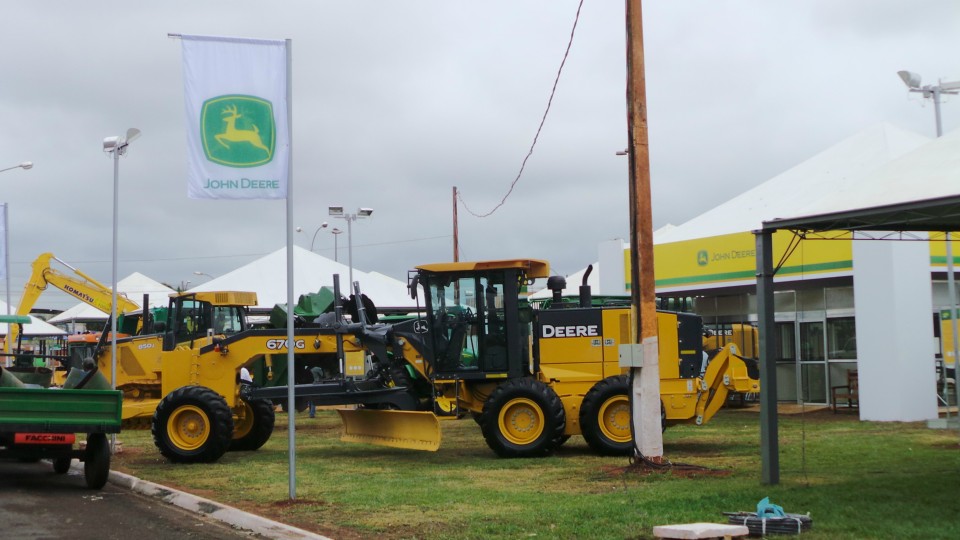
(412, 430)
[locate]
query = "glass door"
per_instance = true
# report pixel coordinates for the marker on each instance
(812, 366)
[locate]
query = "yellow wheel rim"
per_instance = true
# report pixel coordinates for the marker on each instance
(614, 419)
(446, 405)
(188, 427)
(243, 420)
(521, 421)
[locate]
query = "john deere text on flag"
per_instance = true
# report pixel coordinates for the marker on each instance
(236, 103)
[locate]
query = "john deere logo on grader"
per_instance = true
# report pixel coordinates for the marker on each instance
(238, 131)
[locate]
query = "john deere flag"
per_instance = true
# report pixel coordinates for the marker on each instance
(236, 102)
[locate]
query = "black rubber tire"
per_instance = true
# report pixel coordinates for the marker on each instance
(605, 417)
(523, 418)
(96, 461)
(300, 405)
(399, 376)
(61, 465)
(192, 424)
(256, 429)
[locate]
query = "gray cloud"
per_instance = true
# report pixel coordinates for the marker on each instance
(396, 102)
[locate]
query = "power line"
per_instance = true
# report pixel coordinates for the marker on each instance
(523, 165)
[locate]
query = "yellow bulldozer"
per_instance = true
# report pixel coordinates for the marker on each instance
(531, 378)
(179, 373)
(182, 376)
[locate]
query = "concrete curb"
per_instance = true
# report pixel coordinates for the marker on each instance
(229, 515)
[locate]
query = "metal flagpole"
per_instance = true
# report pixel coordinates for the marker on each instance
(291, 344)
(6, 272)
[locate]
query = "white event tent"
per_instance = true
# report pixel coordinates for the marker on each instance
(133, 287)
(36, 327)
(267, 276)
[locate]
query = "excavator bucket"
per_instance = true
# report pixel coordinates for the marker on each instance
(413, 430)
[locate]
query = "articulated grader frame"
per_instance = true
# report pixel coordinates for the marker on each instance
(530, 378)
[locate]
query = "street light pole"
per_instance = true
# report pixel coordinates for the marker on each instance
(118, 147)
(912, 80)
(314, 239)
(26, 165)
(337, 211)
(336, 233)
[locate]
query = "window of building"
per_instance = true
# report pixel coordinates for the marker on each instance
(786, 342)
(841, 338)
(811, 341)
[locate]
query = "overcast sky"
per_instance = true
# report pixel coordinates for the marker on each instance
(394, 103)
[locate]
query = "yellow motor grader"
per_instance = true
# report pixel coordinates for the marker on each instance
(531, 378)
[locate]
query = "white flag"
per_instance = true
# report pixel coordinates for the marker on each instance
(238, 140)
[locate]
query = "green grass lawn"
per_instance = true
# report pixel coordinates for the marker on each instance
(856, 480)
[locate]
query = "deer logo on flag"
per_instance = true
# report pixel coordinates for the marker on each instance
(238, 131)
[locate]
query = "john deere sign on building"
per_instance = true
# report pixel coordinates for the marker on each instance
(730, 259)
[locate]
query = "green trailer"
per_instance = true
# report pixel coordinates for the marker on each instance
(43, 423)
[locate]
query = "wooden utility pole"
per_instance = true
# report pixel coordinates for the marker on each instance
(646, 386)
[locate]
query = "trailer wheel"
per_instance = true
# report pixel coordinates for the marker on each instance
(605, 417)
(192, 424)
(254, 424)
(523, 418)
(61, 465)
(96, 461)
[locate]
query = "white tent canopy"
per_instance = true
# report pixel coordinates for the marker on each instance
(848, 167)
(931, 171)
(133, 287)
(267, 277)
(36, 327)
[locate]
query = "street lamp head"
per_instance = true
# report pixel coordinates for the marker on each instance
(299, 229)
(909, 78)
(323, 225)
(335, 231)
(110, 143)
(364, 212)
(24, 165)
(336, 211)
(117, 143)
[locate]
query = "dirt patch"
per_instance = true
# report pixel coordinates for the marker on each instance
(679, 470)
(952, 445)
(297, 502)
(296, 513)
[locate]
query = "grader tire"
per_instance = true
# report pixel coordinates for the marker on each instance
(300, 405)
(605, 418)
(254, 425)
(523, 418)
(96, 461)
(192, 424)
